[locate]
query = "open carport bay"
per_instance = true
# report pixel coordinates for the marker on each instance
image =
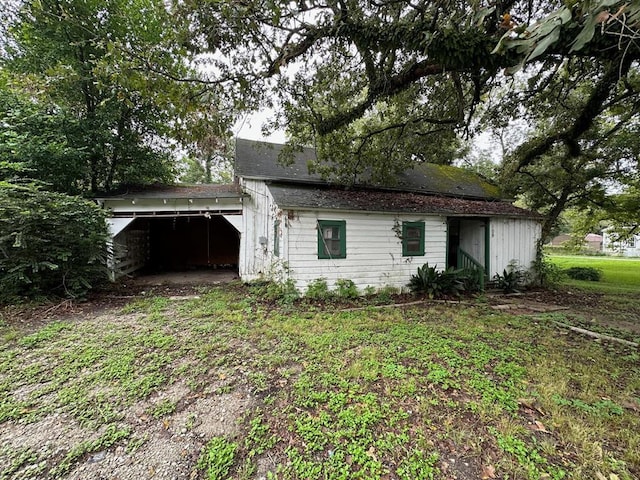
(174, 243)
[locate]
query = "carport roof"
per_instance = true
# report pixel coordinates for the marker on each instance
(330, 198)
(179, 191)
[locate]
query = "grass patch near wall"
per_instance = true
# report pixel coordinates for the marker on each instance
(421, 392)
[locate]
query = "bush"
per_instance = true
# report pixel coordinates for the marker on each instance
(50, 243)
(281, 292)
(434, 283)
(345, 288)
(584, 273)
(318, 290)
(545, 273)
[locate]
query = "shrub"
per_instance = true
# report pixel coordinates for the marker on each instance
(50, 243)
(584, 273)
(472, 279)
(282, 292)
(318, 290)
(546, 274)
(345, 288)
(434, 283)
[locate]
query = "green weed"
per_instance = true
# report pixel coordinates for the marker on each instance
(217, 458)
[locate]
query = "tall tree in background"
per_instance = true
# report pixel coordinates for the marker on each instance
(91, 69)
(379, 85)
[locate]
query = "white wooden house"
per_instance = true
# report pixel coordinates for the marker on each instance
(290, 224)
(616, 244)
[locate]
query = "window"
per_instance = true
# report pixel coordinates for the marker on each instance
(276, 238)
(332, 239)
(412, 239)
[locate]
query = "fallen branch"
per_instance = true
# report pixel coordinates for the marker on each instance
(601, 336)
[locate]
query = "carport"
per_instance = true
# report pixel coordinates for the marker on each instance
(173, 229)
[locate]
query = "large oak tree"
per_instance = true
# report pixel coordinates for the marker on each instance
(380, 84)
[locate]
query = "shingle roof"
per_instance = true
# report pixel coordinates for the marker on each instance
(310, 197)
(259, 160)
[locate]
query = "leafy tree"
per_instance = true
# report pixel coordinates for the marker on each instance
(417, 69)
(95, 95)
(376, 86)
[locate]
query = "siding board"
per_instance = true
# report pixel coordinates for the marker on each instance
(374, 249)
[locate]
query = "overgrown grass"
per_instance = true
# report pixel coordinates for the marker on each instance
(376, 393)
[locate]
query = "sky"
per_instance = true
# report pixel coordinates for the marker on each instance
(250, 128)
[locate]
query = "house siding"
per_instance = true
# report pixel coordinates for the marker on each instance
(626, 248)
(512, 239)
(373, 248)
(257, 258)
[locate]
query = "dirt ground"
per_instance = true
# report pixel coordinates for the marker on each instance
(169, 447)
(195, 277)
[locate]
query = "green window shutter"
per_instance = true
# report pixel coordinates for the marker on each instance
(276, 238)
(412, 239)
(332, 239)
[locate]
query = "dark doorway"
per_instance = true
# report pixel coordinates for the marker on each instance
(453, 241)
(183, 243)
(467, 241)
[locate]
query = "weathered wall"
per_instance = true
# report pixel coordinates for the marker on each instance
(256, 241)
(374, 249)
(512, 239)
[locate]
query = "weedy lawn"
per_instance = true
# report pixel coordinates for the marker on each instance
(416, 392)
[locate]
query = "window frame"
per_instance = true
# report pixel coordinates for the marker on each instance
(324, 254)
(405, 238)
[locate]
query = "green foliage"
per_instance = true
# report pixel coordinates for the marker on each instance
(50, 243)
(584, 273)
(163, 408)
(434, 283)
(96, 100)
(472, 279)
(318, 290)
(619, 274)
(513, 278)
(217, 458)
(602, 408)
(546, 273)
(112, 435)
(418, 465)
(281, 292)
(345, 288)
(535, 465)
(347, 390)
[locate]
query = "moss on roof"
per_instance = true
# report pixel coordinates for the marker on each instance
(453, 177)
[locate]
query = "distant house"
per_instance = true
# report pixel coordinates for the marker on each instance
(282, 223)
(561, 240)
(591, 242)
(628, 246)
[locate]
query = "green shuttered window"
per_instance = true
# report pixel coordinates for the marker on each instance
(412, 239)
(332, 239)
